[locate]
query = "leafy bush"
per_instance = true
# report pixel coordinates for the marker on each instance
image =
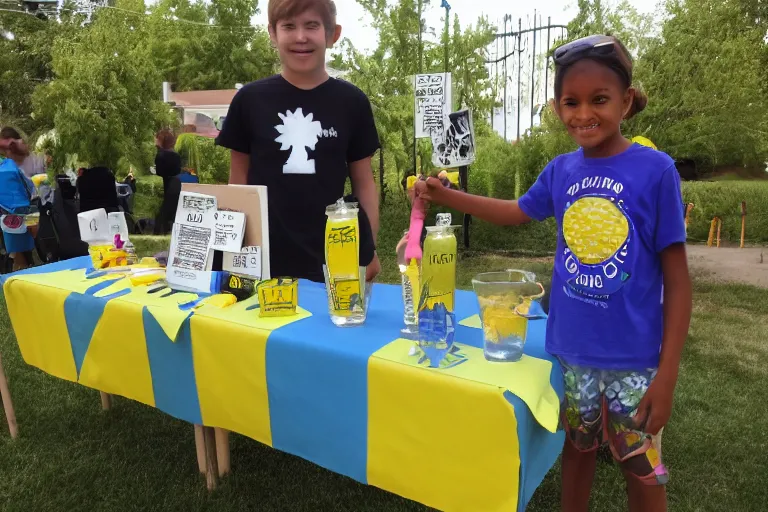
(211, 162)
(149, 196)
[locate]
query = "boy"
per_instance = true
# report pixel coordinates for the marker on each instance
(301, 133)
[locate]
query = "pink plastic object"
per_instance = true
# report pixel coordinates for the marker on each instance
(118, 242)
(418, 214)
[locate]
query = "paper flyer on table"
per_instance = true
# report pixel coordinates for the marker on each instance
(118, 225)
(94, 226)
(191, 241)
(246, 262)
(196, 209)
(228, 230)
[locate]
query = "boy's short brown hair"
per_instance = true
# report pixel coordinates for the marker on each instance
(283, 9)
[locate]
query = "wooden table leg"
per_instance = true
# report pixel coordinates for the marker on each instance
(222, 450)
(211, 465)
(106, 400)
(5, 396)
(200, 448)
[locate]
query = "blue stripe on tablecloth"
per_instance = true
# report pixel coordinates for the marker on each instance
(173, 373)
(82, 313)
(317, 378)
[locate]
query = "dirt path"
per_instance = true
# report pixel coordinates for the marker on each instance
(748, 265)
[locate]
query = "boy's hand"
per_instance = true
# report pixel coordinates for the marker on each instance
(655, 408)
(373, 269)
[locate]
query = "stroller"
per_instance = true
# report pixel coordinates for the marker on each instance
(58, 235)
(125, 199)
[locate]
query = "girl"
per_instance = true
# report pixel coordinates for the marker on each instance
(16, 194)
(620, 303)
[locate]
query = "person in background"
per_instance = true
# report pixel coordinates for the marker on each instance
(16, 192)
(29, 163)
(621, 294)
(168, 167)
(302, 134)
(167, 160)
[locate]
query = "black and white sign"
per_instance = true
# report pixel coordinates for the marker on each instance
(433, 103)
(456, 146)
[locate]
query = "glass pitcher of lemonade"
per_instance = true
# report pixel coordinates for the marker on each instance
(507, 300)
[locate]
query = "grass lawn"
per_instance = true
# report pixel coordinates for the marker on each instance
(71, 456)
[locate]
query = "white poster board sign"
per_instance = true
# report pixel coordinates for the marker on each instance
(433, 102)
(94, 226)
(246, 262)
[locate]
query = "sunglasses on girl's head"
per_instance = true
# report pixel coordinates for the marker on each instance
(591, 46)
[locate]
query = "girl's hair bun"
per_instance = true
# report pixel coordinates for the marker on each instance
(638, 104)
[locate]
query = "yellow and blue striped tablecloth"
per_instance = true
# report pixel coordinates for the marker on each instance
(476, 436)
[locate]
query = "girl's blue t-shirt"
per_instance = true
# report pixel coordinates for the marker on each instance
(614, 216)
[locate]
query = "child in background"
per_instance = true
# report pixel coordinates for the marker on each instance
(621, 295)
(16, 193)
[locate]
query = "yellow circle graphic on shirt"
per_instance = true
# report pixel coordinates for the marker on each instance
(594, 229)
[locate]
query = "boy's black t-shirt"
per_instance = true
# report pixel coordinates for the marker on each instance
(300, 143)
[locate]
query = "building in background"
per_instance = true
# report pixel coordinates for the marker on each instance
(204, 112)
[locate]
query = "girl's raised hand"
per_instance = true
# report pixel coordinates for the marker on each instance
(429, 190)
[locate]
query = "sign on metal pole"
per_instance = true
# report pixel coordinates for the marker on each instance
(433, 102)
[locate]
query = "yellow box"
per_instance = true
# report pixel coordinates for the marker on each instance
(278, 297)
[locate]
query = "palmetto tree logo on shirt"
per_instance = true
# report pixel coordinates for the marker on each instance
(297, 133)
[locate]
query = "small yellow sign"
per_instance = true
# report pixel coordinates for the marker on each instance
(278, 297)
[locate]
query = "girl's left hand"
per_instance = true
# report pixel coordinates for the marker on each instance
(655, 408)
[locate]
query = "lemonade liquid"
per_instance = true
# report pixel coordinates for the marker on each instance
(437, 292)
(342, 257)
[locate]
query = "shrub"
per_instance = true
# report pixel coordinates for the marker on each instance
(211, 162)
(149, 196)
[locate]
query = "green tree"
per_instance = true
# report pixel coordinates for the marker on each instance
(104, 101)
(25, 62)
(622, 20)
(209, 45)
(705, 78)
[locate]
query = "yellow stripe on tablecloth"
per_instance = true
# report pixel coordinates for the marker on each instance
(70, 280)
(37, 317)
(117, 360)
(448, 442)
(528, 378)
(162, 305)
(231, 376)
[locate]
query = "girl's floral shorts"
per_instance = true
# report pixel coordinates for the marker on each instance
(600, 407)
